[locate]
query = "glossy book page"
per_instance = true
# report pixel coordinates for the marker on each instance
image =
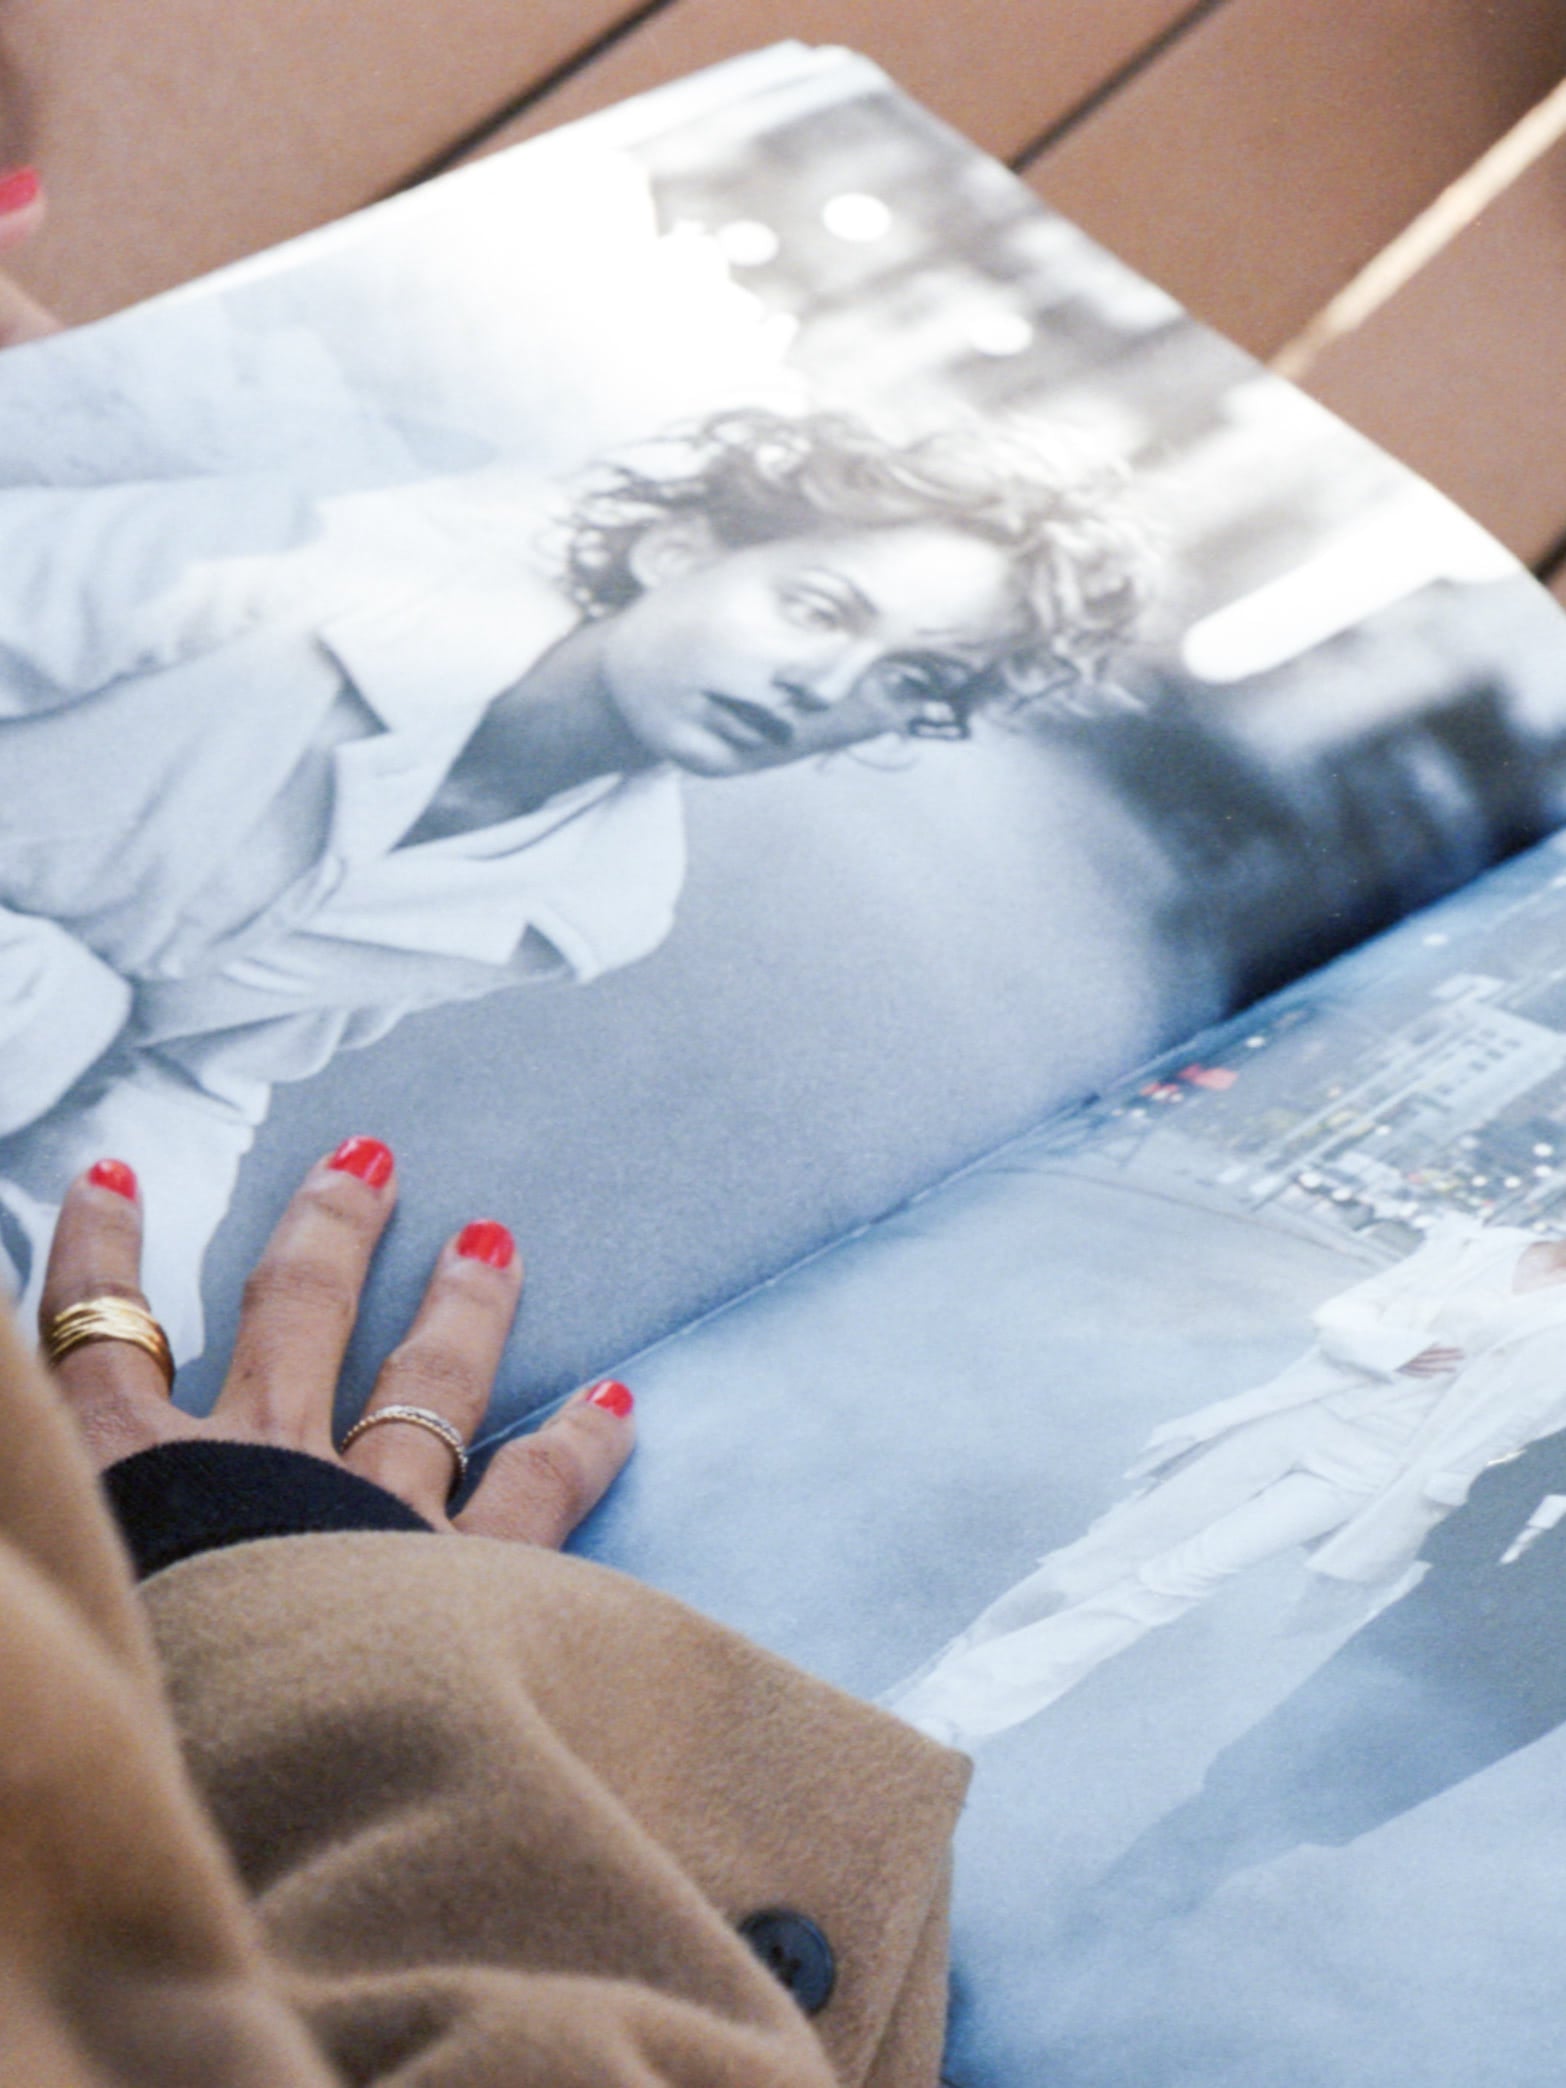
(1198, 1463)
(697, 677)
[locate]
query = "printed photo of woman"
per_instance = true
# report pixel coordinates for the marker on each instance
(1419, 1378)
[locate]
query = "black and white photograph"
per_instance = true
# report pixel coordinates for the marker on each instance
(751, 702)
(1211, 1497)
(897, 664)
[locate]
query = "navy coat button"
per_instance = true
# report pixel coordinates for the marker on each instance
(795, 1952)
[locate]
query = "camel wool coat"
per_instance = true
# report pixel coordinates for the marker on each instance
(390, 1807)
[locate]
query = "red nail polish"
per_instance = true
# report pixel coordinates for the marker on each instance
(365, 1157)
(487, 1241)
(612, 1396)
(17, 189)
(115, 1175)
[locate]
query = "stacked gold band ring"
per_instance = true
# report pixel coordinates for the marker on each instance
(420, 1417)
(107, 1319)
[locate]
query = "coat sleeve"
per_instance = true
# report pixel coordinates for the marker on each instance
(504, 1815)
(107, 581)
(127, 1952)
(430, 1810)
(1371, 1326)
(1358, 1329)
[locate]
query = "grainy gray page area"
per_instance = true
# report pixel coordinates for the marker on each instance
(1200, 1465)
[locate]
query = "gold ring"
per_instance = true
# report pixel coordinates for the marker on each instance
(421, 1417)
(107, 1319)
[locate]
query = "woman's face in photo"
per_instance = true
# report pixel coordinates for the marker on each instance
(739, 660)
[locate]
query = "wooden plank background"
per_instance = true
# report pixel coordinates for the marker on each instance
(178, 134)
(1280, 144)
(1005, 74)
(1251, 155)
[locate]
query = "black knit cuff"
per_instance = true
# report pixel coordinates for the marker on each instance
(185, 1498)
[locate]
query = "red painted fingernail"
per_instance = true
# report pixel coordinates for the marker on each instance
(365, 1157)
(487, 1241)
(18, 188)
(115, 1175)
(612, 1396)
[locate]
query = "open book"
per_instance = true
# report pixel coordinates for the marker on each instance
(974, 875)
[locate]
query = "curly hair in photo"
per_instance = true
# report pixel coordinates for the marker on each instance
(1083, 563)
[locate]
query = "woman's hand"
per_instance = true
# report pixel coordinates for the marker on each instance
(1432, 1362)
(21, 215)
(299, 1310)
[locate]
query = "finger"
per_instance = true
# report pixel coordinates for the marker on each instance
(538, 1489)
(446, 1366)
(114, 1388)
(21, 216)
(303, 1297)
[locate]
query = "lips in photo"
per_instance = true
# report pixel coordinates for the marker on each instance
(756, 722)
